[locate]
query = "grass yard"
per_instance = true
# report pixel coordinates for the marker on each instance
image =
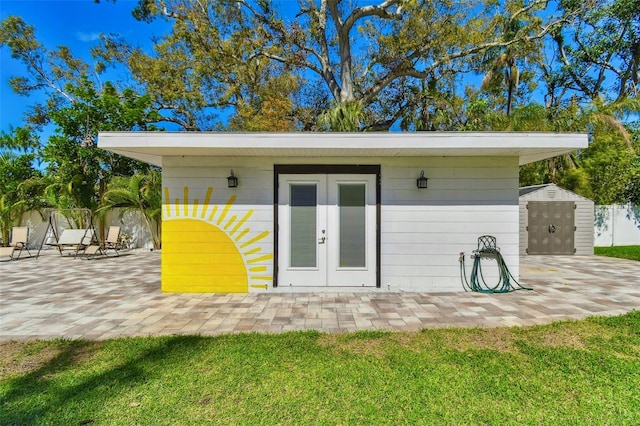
(623, 252)
(584, 372)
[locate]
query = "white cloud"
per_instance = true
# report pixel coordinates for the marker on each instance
(87, 37)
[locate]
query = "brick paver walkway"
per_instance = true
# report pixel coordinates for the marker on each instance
(98, 299)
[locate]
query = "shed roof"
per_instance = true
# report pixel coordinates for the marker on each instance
(528, 147)
(533, 188)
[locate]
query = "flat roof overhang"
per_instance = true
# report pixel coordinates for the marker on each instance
(151, 147)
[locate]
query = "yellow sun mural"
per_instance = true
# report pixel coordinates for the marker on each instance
(208, 249)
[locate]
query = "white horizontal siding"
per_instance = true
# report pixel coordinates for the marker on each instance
(460, 239)
(423, 231)
(392, 226)
(453, 197)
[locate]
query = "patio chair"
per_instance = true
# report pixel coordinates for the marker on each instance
(111, 243)
(17, 243)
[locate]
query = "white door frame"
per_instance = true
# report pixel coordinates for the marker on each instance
(327, 256)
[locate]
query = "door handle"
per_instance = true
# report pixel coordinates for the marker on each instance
(552, 229)
(321, 240)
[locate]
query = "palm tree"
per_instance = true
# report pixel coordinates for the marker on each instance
(8, 213)
(502, 63)
(344, 117)
(15, 198)
(611, 115)
(505, 64)
(141, 193)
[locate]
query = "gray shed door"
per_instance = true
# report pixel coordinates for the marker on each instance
(551, 227)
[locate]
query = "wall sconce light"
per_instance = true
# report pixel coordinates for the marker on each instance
(422, 181)
(232, 180)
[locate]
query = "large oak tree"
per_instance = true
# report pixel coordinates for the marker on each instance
(381, 56)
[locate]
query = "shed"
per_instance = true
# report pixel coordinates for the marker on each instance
(317, 212)
(554, 220)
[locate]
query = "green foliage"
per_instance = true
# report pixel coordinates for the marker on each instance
(72, 159)
(632, 193)
(600, 54)
(345, 117)
(76, 171)
(46, 70)
(607, 164)
(211, 63)
(140, 193)
(223, 56)
(579, 372)
(16, 167)
(605, 170)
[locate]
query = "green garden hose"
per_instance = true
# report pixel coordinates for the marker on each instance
(487, 249)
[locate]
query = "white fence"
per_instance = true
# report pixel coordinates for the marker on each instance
(617, 225)
(131, 223)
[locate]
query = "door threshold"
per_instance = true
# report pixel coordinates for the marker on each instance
(324, 289)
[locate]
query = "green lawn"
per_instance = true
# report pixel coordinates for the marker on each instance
(623, 252)
(585, 372)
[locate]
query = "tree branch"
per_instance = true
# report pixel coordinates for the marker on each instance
(576, 79)
(372, 10)
(406, 69)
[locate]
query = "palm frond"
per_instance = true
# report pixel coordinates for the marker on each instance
(615, 124)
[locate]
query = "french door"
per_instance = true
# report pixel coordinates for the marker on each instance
(327, 230)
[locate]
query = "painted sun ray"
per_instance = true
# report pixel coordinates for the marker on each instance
(167, 198)
(264, 286)
(213, 213)
(230, 222)
(196, 204)
(177, 203)
(242, 234)
(242, 221)
(260, 259)
(205, 205)
(185, 197)
(231, 201)
(255, 239)
(253, 251)
(258, 268)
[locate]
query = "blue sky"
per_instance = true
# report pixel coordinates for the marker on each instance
(73, 23)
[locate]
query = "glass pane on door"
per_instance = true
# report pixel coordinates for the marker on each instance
(303, 234)
(351, 206)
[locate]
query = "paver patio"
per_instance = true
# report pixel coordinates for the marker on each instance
(113, 297)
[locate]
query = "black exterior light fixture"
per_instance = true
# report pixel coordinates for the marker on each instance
(422, 181)
(232, 180)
